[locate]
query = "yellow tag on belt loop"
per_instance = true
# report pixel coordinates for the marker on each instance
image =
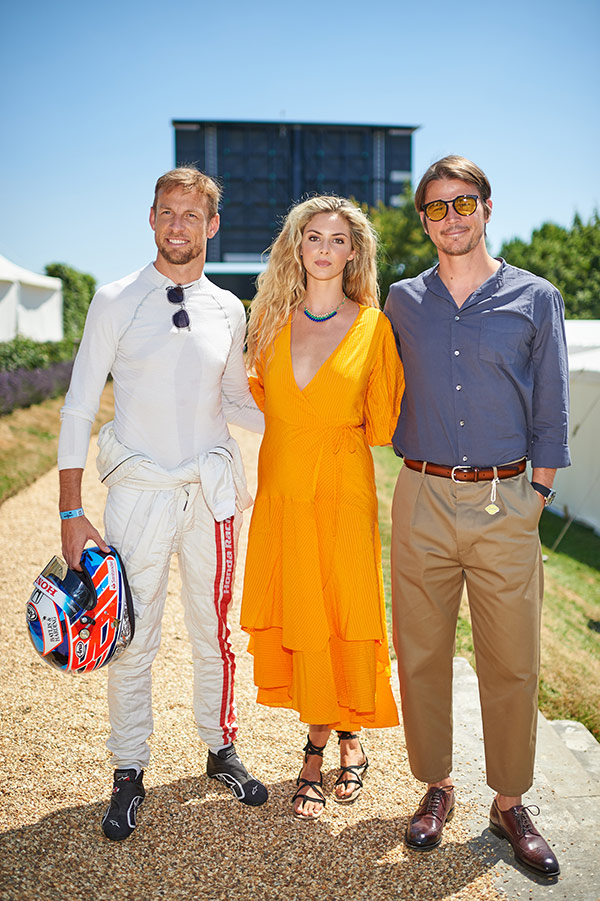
(492, 508)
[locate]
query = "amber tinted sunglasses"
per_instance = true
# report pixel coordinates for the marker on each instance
(464, 204)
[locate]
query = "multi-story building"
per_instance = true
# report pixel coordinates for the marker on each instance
(265, 167)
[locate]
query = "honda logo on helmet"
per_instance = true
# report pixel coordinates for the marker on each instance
(79, 621)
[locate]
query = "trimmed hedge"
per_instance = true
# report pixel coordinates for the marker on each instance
(31, 371)
(24, 353)
(77, 289)
(23, 387)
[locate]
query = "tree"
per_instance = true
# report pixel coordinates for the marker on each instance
(78, 290)
(405, 249)
(569, 258)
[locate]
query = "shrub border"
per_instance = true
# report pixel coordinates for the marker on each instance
(23, 387)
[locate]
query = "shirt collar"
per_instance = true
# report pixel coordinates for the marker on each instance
(494, 283)
(161, 281)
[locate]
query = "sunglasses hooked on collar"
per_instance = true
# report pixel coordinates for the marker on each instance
(464, 204)
(181, 318)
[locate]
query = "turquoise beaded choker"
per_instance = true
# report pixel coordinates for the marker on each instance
(314, 317)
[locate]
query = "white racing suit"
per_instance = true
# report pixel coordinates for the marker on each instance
(175, 390)
(151, 513)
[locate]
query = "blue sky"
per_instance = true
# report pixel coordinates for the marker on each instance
(88, 93)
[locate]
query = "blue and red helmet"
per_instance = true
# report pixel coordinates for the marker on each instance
(80, 621)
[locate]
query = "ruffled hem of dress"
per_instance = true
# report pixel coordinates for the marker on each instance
(346, 688)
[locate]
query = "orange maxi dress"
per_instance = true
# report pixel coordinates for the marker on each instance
(313, 591)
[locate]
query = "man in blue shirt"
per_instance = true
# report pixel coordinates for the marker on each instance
(485, 361)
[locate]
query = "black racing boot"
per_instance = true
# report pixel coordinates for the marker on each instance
(119, 821)
(227, 767)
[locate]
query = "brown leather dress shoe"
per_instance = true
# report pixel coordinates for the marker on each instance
(424, 830)
(531, 849)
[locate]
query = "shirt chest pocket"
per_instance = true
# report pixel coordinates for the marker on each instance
(501, 340)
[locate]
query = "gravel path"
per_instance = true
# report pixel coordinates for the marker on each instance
(194, 840)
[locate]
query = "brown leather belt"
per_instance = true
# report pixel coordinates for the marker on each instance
(467, 473)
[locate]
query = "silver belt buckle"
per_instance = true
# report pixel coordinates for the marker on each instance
(454, 468)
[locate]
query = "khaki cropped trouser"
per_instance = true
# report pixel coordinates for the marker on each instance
(442, 538)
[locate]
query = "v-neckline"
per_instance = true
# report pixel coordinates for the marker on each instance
(327, 359)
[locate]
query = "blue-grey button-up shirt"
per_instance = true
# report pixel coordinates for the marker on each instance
(487, 382)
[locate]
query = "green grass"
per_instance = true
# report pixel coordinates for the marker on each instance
(387, 466)
(570, 668)
(29, 441)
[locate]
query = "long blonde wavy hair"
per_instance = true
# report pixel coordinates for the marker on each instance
(282, 286)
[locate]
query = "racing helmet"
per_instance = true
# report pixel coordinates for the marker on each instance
(80, 621)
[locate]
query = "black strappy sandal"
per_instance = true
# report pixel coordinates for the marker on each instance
(310, 750)
(357, 770)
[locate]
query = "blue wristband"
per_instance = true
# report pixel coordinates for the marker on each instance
(71, 514)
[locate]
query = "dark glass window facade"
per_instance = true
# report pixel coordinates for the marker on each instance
(265, 167)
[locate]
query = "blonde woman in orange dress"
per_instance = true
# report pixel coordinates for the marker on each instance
(329, 380)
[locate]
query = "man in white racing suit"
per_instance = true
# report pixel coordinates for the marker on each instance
(173, 342)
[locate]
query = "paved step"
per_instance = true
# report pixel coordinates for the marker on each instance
(581, 743)
(559, 766)
(566, 789)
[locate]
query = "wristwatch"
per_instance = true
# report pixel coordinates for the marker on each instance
(548, 493)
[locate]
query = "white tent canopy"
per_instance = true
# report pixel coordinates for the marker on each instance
(30, 304)
(578, 487)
